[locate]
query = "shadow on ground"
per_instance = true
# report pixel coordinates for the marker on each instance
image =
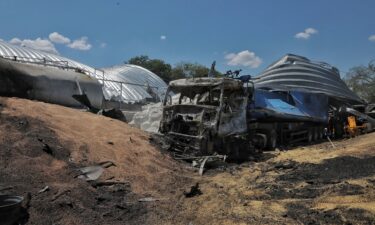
(303, 182)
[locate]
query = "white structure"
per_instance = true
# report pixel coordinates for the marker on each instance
(126, 83)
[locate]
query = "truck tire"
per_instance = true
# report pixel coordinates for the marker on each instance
(271, 140)
(309, 135)
(239, 150)
(321, 133)
(368, 128)
(316, 133)
(339, 131)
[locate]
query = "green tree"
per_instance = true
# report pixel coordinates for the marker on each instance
(186, 70)
(141, 60)
(167, 73)
(157, 66)
(361, 80)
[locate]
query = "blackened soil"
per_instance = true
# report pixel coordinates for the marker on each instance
(305, 182)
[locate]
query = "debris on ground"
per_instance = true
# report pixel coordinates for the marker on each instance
(46, 188)
(113, 113)
(304, 185)
(91, 173)
(110, 198)
(194, 191)
(148, 199)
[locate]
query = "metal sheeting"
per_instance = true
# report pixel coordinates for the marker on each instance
(294, 72)
(135, 78)
(25, 54)
(48, 84)
(135, 82)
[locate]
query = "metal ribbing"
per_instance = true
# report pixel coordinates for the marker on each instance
(297, 72)
(132, 76)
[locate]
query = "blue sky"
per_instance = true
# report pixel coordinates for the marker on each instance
(237, 34)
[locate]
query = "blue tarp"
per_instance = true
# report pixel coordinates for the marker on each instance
(298, 104)
(312, 104)
(284, 107)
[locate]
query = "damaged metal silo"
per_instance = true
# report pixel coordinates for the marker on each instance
(33, 74)
(293, 72)
(38, 75)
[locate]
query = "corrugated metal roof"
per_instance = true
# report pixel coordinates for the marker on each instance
(135, 78)
(34, 56)
(294, 72)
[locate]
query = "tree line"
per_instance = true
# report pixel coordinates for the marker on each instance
(361, 80)
(167, 72)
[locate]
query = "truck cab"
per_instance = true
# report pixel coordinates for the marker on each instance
(204, 116)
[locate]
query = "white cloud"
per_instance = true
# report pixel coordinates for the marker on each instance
(306, 34)
(58, 38)
(244, 58)
(311, 31)
(163, 37)
(38, 44)
(80, 44)
(103, 45)
(16, 41)
(372, 38)
(302, 35)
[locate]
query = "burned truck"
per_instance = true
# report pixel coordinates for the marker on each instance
(204, 116)
(294, 100)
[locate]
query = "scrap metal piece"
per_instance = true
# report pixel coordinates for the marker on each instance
(91, 173)
(46, 188)
(202, 165)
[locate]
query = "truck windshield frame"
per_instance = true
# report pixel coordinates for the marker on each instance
(203, 95)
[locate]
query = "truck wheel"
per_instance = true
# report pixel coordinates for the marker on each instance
(368, 127)
(339, 131)
(271, 140)
(309, 135)
(316, 134)
(320, 131)
(239, 151)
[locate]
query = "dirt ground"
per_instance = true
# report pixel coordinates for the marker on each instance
(44, 145)
(317, 184)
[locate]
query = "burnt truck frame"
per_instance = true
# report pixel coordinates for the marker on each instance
(208, 116)
(228, 116)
